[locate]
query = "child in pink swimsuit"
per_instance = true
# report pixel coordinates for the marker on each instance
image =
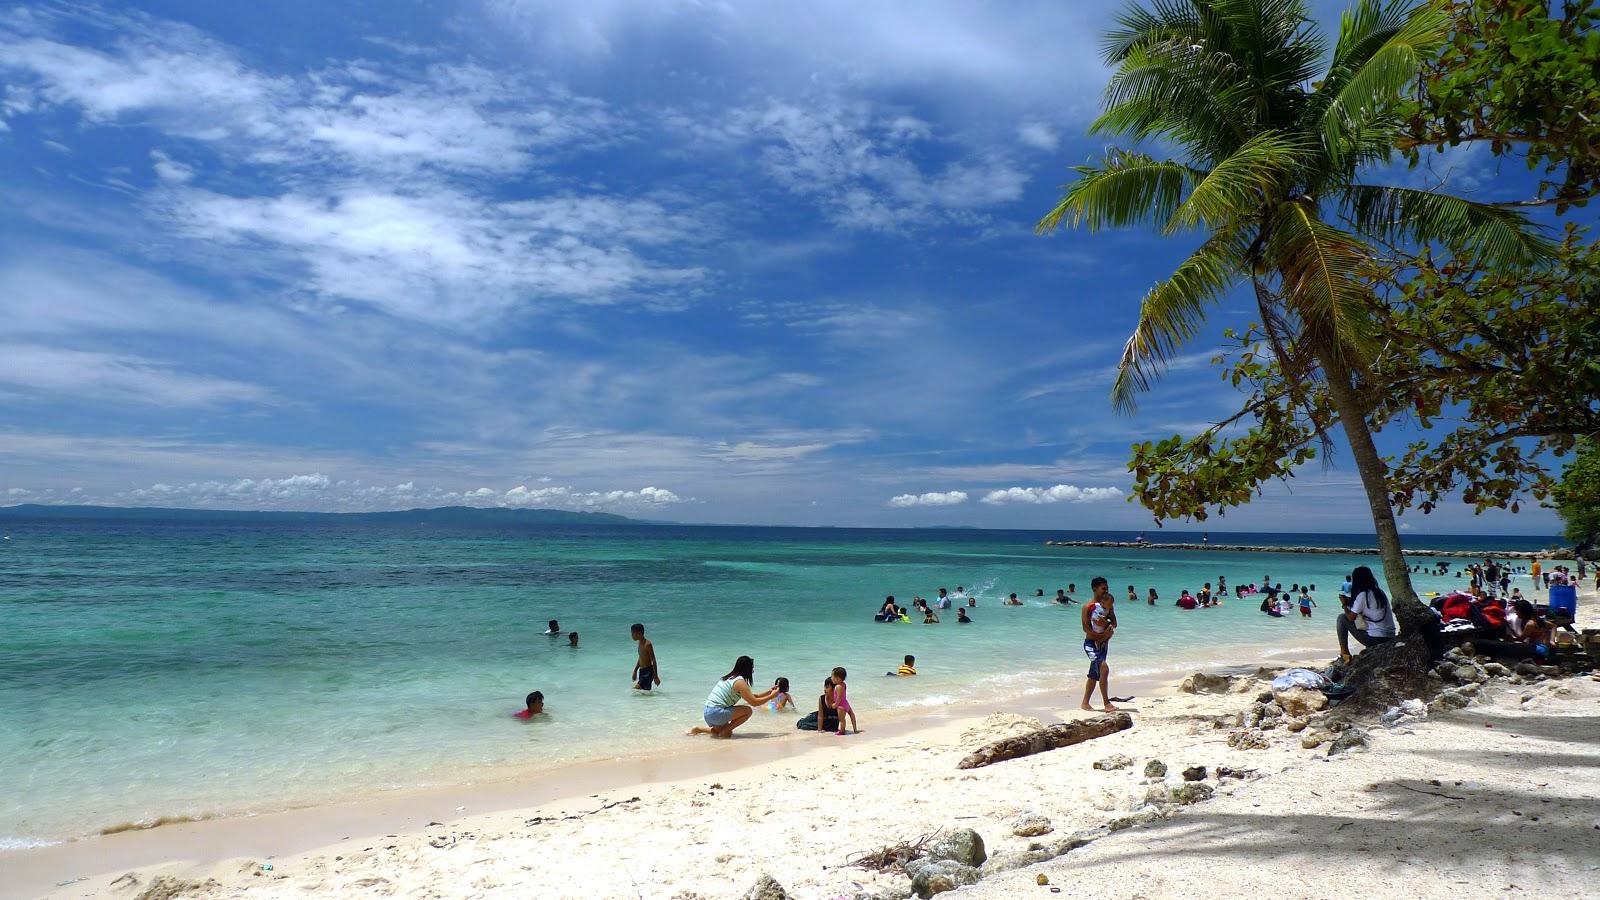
(841, 702)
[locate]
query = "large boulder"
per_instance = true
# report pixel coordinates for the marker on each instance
(1201, 683)
(1300, 702)
(929, 877)
(963, 845)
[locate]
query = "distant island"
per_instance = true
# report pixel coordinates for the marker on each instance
(443, 515)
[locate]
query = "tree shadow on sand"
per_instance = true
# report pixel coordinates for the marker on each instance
(1451, 825)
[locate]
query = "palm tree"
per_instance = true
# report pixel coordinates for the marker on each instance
(1270, 146)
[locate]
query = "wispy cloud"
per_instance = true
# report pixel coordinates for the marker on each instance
(35, 373)
(866, 171)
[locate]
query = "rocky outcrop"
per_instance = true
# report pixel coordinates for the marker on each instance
(1300, 702)
(1030, 824)
(929, 877)
(963, 845)
(1202, 683)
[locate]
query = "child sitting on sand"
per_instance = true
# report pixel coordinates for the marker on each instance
(841, 702)
(535, 703)
(777, 704)
(827, 719)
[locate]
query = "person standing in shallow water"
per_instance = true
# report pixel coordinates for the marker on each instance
(1099, 624)
(645, 671)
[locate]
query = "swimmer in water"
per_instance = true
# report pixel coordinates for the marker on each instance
(782, 700)
(572, 640)
(535, 703)
(554, 629)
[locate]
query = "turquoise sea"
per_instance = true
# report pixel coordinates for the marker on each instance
(203, 668)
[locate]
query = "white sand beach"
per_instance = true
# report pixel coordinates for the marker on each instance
(1496, 798)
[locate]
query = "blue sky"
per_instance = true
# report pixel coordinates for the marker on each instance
(765, 263)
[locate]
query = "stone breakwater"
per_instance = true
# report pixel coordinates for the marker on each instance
(1263, 548)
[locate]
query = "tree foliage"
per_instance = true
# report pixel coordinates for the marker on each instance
(1523, 76)
(1499, 369)
(1277, 132)
(1577, 496)
(1497, 365)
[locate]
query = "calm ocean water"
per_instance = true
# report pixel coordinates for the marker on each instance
(151, 669)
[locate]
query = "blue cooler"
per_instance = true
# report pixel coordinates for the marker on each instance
(1564, 600)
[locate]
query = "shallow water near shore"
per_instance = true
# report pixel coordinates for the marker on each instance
(199, 669)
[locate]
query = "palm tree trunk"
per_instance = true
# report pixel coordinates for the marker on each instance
(1374, 478)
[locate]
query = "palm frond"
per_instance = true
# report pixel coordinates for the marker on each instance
(1317, 265)
(1365, 86)
(1126, 188)
(1175, 89)
(1241, 182)
(1363, 28)
(1173, 310)
(1479, 231)
(1138, 26)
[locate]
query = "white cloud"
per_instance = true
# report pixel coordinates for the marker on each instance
(445, 256)
(1038, 135)
(451, 118)
(979, 53)
(932, 498)
(564, 497)
(267, 492)
(857, 167)
(170, 170)
(1061, 493)
(106, 378)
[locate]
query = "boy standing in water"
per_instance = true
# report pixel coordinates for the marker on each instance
(644, 671)
(1099, 623)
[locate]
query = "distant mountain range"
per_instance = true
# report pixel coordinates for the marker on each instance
(443, 515)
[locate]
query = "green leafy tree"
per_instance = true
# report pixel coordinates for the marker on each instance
(1272, 150)
(1577, 497)
(1522, 76)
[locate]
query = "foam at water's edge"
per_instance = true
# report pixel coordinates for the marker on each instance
(23, 843)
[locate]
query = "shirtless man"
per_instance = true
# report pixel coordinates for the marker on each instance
(645, 674)
(1099, 624)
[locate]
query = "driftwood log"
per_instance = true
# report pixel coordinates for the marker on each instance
(1053, 737)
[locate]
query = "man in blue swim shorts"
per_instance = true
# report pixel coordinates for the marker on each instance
(1099, 624)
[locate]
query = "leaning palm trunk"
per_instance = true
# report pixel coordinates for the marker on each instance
(1374, 479)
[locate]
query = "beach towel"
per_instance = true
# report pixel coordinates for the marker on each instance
(1299, 678)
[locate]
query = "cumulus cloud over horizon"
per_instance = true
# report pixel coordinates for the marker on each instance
(932, 498)
(1061, 493)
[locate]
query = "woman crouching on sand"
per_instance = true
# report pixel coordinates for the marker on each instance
(723, 713)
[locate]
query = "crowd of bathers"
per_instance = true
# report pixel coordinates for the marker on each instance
(1276, 600)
